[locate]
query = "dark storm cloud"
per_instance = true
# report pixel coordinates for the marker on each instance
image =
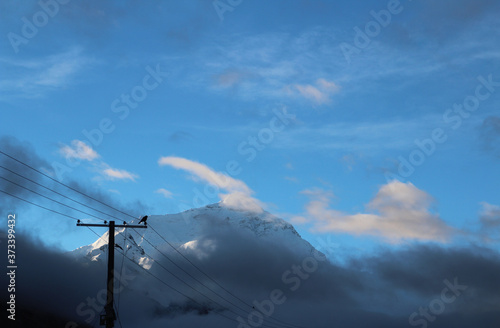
(23, 152)
(49, 282)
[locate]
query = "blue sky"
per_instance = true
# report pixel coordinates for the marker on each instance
(374, 123)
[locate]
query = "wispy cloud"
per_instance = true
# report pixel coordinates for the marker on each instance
(399, 211)
(276, 64)
(117, 174)
(33, 78)
(490, 216)
(356, 136)
(166, 193)
(79, 150)
(233, 192)
(319, 94)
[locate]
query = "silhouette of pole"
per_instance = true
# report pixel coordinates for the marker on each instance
(110, 315)
(110, 311)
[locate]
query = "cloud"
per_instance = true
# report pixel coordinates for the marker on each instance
(34, 78)
(60, 68)
(242, 201)
(79, 150)
(400, 211)
(164, 192)
(238, 193)
(489, 216)
(357, 137)
(25, 153)
(82, 151)
(117, 174)
(319, 94)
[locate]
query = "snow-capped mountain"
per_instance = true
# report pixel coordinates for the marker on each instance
(184, 231)
(199, 234)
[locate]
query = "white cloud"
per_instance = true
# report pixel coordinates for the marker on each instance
(319, 94)
(116, 174)
(205, 173)
(164, 192)
(242, 201)
(237, 193)
(489, 216)
(400, 211)
(79, 150)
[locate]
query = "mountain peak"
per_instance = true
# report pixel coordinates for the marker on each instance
(241, 201)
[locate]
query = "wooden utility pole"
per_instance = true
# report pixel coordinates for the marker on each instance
(110, 316)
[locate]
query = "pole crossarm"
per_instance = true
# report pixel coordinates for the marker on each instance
(135, 226)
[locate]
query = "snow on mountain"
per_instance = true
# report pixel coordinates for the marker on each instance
(192, 232)
(184, 230)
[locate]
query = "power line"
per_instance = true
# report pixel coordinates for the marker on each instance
(194, 265)
(195, 289)
(71, 207)
(51, 178)
(230, 293)
(187, 284)
(118, 316)
(45, 208)
(203, 294)
(58, 193)
(179, 292)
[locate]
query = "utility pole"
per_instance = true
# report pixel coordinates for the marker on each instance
(110, 316)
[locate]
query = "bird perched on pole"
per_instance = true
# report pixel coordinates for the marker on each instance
(144, 219)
